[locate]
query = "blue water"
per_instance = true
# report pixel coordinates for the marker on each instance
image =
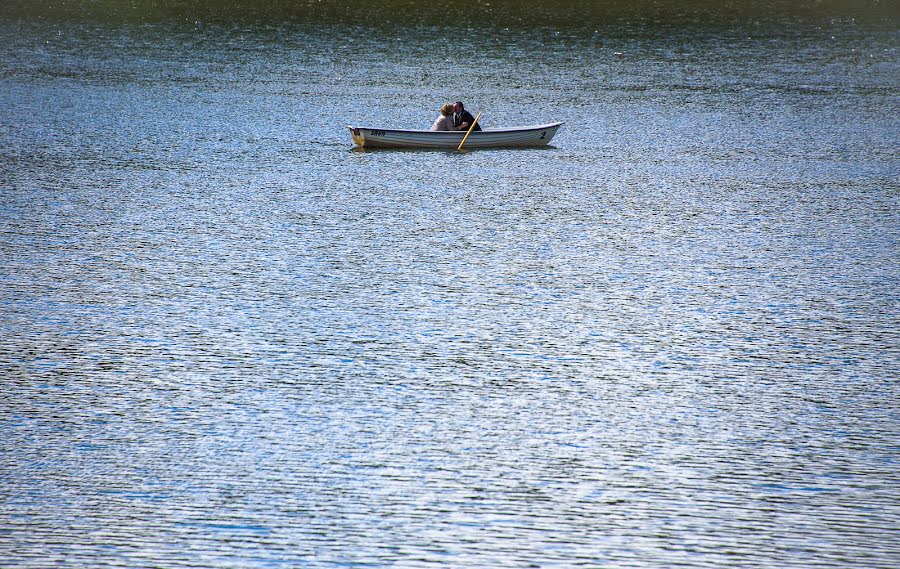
(228, 339)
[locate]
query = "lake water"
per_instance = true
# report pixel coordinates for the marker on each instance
(227, 339)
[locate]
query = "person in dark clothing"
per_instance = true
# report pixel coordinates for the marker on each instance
(463, 119)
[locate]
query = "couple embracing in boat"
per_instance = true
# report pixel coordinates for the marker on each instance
(454, 116)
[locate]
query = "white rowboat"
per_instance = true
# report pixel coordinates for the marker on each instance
(520, 136)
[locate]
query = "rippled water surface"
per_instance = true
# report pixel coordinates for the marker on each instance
(227, 339)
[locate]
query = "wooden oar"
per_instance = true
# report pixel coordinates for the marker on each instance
(468, 133)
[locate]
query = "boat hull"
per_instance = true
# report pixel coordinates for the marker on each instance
(526, 136)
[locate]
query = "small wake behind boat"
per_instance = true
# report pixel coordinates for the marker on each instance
(520, 136)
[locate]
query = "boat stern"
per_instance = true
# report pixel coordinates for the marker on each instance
(358, 136)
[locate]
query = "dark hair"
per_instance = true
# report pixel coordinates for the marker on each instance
(460, 104)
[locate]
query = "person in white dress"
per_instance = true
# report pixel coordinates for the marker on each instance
(445, 120)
